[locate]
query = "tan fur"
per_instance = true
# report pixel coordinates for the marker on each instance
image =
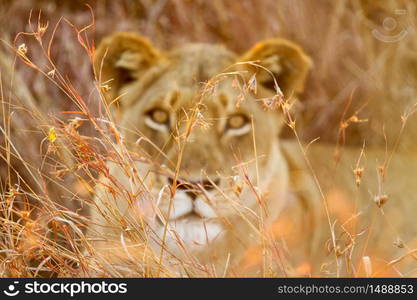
(142, 78)
(279, 181)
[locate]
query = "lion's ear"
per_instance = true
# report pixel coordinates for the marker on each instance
(121, 58)
(287, 61)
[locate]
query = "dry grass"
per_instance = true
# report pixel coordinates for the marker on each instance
(57, 132)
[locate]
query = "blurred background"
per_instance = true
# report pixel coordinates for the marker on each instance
(362, 87)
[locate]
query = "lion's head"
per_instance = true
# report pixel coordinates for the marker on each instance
(198, 118)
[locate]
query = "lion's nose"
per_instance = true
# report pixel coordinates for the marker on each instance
(194, 188)
(208, 185)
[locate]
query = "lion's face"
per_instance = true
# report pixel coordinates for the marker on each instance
(210, 146)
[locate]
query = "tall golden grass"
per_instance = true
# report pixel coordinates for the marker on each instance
(57, 133)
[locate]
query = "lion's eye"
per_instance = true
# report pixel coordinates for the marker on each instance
(237, 121)
(159, 116)
(157, 119)
(238, 124)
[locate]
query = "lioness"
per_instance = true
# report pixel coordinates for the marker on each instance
(210, 172)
